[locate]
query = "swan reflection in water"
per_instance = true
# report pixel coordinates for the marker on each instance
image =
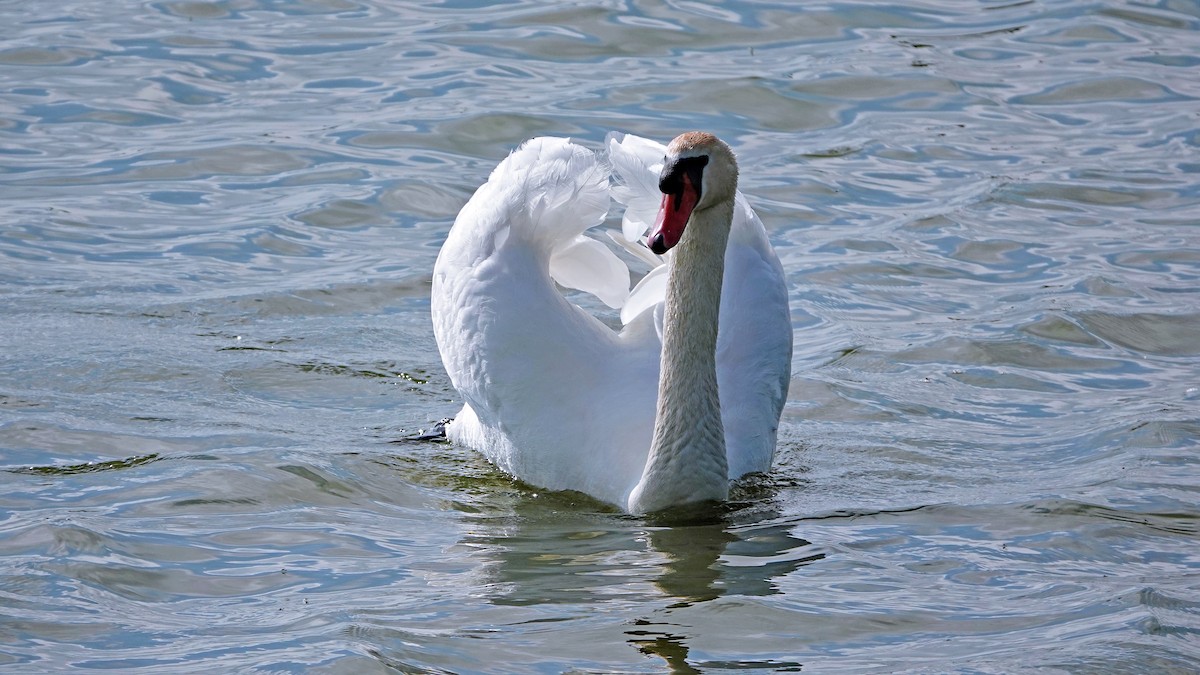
(547, 552)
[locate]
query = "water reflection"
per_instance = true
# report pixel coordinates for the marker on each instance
(672, 647)
(585, 557)
(691, 572)
(557, 559)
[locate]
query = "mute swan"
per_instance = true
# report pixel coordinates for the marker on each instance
(687, 394)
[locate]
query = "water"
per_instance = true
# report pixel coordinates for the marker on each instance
(217, 225)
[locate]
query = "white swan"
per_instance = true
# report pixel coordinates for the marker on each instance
(667, 410)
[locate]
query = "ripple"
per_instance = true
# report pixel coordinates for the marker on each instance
(36, 56)
(220, 219)
(1160, 334)
(1102, 89)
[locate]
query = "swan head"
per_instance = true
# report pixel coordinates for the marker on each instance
(699, 171)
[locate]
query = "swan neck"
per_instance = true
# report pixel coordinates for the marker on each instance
(687, 461)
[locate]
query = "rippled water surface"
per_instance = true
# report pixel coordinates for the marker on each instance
(217, 225)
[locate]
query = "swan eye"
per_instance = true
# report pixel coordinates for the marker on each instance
(670, 181)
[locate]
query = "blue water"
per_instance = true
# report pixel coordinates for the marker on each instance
(217, 226)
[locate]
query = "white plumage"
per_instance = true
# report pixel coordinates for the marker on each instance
(560, 400)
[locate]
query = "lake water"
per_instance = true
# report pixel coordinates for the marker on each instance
(217, 226)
